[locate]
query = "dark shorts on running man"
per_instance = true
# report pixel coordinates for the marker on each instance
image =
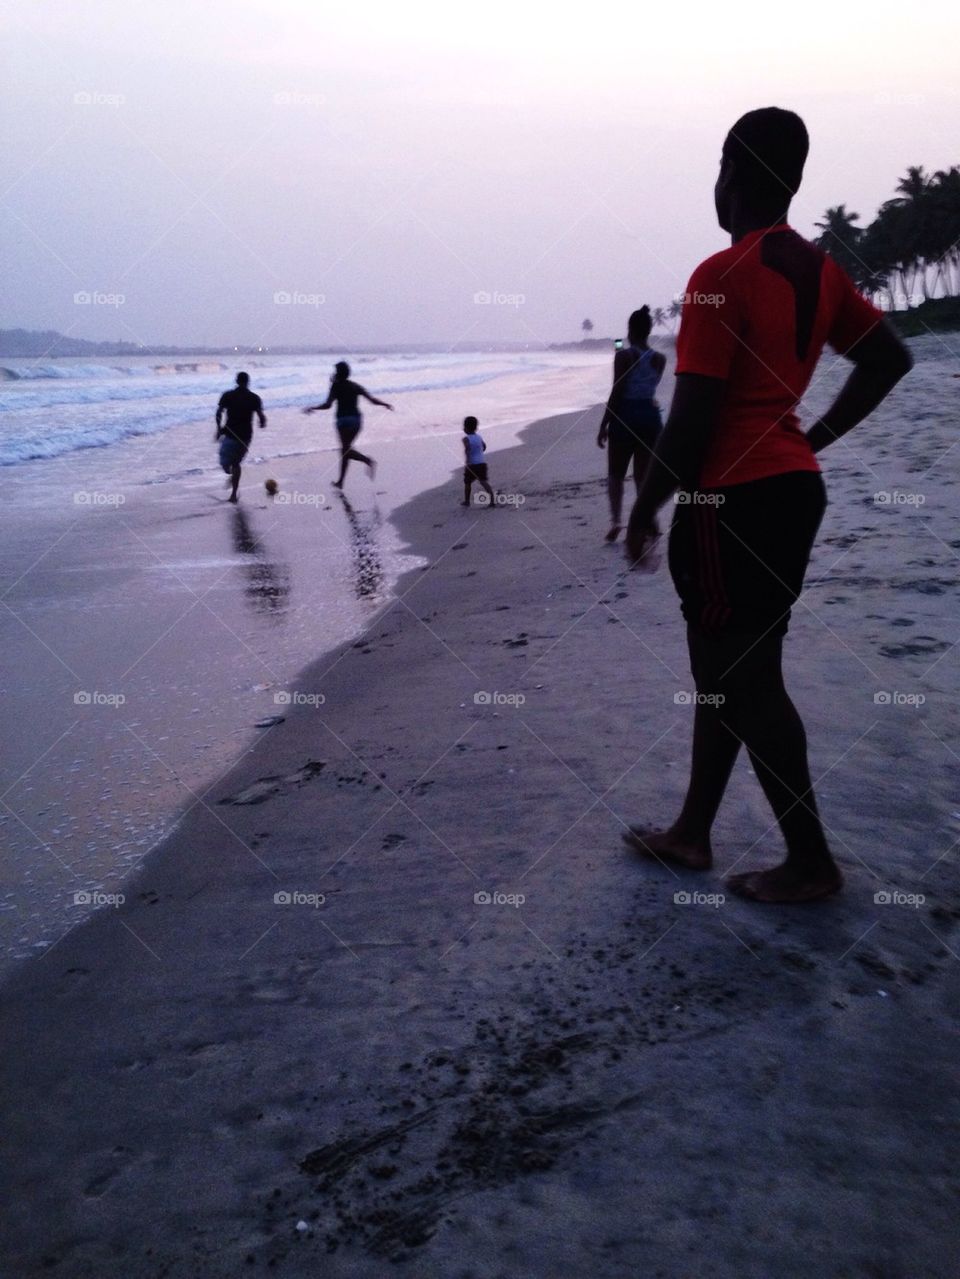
(232, 452)
(738, 554)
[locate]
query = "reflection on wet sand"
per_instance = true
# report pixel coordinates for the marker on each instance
(367, 566)
(268, 581)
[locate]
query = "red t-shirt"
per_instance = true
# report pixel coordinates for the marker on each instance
(758, 315)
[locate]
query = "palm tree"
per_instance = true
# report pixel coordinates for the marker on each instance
(587, 326)
(943, 195)
(914, 234)
(913, 190)
(840, 237)
(673, 310)
(658, 316)
(913, 186)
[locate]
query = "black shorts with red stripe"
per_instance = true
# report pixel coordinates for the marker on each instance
(738, 554)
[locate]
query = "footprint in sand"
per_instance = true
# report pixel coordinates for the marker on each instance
(922, 646)
(266, 787)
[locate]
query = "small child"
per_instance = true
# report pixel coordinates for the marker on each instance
(476, 468)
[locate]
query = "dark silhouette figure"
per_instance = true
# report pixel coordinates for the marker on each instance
(346, 395)
(268, 582)
(368, 569)
(475, 467)
(755, 320)
(239, 405)
(631, 422)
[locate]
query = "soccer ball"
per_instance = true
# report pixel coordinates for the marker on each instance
(272, 487)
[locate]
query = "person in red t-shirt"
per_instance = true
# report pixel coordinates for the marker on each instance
(749, 494)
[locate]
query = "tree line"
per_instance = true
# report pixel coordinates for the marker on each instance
(908, 254)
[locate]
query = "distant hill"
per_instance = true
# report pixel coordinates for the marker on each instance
(49, 344)
(29, 344)
(585, 344)
(607, 344)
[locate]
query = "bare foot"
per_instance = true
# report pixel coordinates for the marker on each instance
(613, 534)
(666, 846)
(784, 884)
(337, 484)
(232, 498)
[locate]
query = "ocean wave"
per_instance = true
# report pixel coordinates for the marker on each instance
(45, 372)
(16, 399)
(47, 421)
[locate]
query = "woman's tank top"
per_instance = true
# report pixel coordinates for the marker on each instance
(642, 378)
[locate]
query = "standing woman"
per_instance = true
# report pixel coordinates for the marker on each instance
(631, 422)
(346, 395)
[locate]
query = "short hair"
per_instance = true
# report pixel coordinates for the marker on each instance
(342, 368)
(640, 323)
(243, 379)
(768, 149)
(470, 424)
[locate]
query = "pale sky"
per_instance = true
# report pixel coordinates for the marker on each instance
(382, 164)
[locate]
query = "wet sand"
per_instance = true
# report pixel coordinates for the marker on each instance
(147, 626)
(384, 1071)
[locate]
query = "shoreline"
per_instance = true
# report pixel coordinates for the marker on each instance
(182, 619)
(597, 1079)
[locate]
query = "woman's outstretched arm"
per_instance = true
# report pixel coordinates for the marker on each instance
(313, 408)
(373, 400)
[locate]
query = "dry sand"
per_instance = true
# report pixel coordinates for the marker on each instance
(600, 1079)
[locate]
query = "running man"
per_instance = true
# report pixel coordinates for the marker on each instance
(755, 320)
(346, 395)
(631, 422)
(240, 404)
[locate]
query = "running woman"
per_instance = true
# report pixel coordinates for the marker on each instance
(346, 395)
(755, 320)
(631, 422)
